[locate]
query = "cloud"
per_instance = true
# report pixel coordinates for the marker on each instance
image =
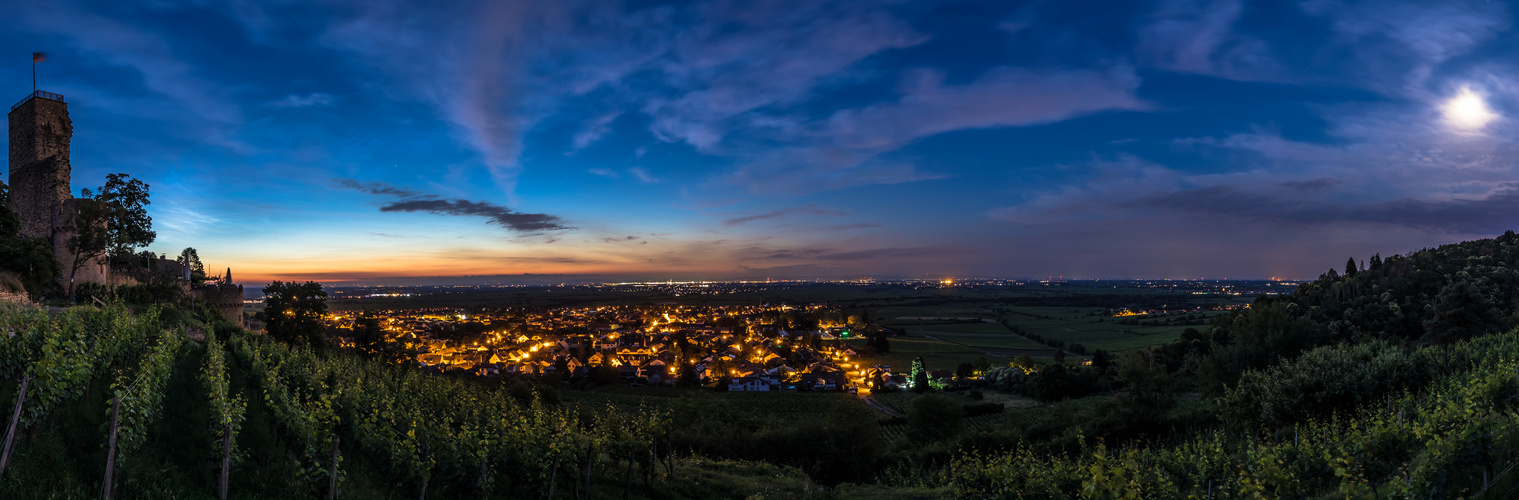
(637, 173)
(131, 46)
(505, 217)
(1197, 36)
(461, 58)
(381, 189)
(841, 150)
(416, 201)
(1488, 214)
(861, 225)
(296, 101)
(878, 253)
(1313, 185)
(1429, 32)
(183, 223)
(809, 209)
(594, 129)
(742, 57)
(642, 175)
(1001, 97)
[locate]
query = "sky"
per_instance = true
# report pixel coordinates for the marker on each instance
(355, 141)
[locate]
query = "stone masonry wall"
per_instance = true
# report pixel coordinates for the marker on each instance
(95, 270)
(40, 131)
(227, 299)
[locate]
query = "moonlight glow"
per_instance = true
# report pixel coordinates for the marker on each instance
(1468, 111)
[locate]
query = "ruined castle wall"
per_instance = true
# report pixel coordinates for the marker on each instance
(40, 131)
(226, 299)
(95, 269)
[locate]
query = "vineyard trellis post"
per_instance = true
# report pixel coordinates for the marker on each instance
(332, 479)
(627, 476)
(425, 474)
(590, 455)
(669, 456)
(110, 457)
(226, 472)
(553, 473)
(10, 435)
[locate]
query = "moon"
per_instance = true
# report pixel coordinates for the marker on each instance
(1468, 111)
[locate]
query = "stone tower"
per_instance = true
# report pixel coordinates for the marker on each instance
(40, 131)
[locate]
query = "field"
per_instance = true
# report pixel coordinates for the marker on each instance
(901, 401)
(936, 354)
(1095, 329)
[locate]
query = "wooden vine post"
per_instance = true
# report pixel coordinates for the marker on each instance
(10, 435)
(226, 472)
(110, 456)
(332, 479)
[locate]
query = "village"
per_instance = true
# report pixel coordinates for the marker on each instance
(734, 348)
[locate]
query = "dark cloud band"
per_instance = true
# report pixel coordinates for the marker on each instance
(416, 201)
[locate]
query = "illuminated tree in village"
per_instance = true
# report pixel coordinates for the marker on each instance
(919, 375)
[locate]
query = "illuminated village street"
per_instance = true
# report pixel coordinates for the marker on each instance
(746, 348)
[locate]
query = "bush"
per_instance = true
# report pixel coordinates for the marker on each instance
(88, 292)
(976, 410)
(10, 282)
(934, 417)
(1327, 379)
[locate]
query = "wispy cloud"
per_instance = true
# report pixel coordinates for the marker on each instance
(642, 175)
(861, 225)
(416, 201)
(594, 129)
(303, 101)
(841, 151)
(639, 174)
(809, 209)
(183, 223)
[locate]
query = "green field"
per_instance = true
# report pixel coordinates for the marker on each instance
(1000, 341)
(1081, 326)
(977, 327)
(936, 354)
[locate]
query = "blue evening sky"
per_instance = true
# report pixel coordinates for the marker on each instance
(353, 140)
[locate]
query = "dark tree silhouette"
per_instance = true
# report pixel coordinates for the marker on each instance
(294, 312)
(1461, 312)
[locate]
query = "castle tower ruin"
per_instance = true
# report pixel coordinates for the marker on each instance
(40, 132)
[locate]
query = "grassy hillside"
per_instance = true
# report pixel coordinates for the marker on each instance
(1457, 438)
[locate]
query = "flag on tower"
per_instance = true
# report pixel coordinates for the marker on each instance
(38, 57)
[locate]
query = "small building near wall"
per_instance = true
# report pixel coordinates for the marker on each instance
(750, 384)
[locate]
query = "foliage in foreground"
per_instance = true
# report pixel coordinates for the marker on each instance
(291, 420)
(1452, 439)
